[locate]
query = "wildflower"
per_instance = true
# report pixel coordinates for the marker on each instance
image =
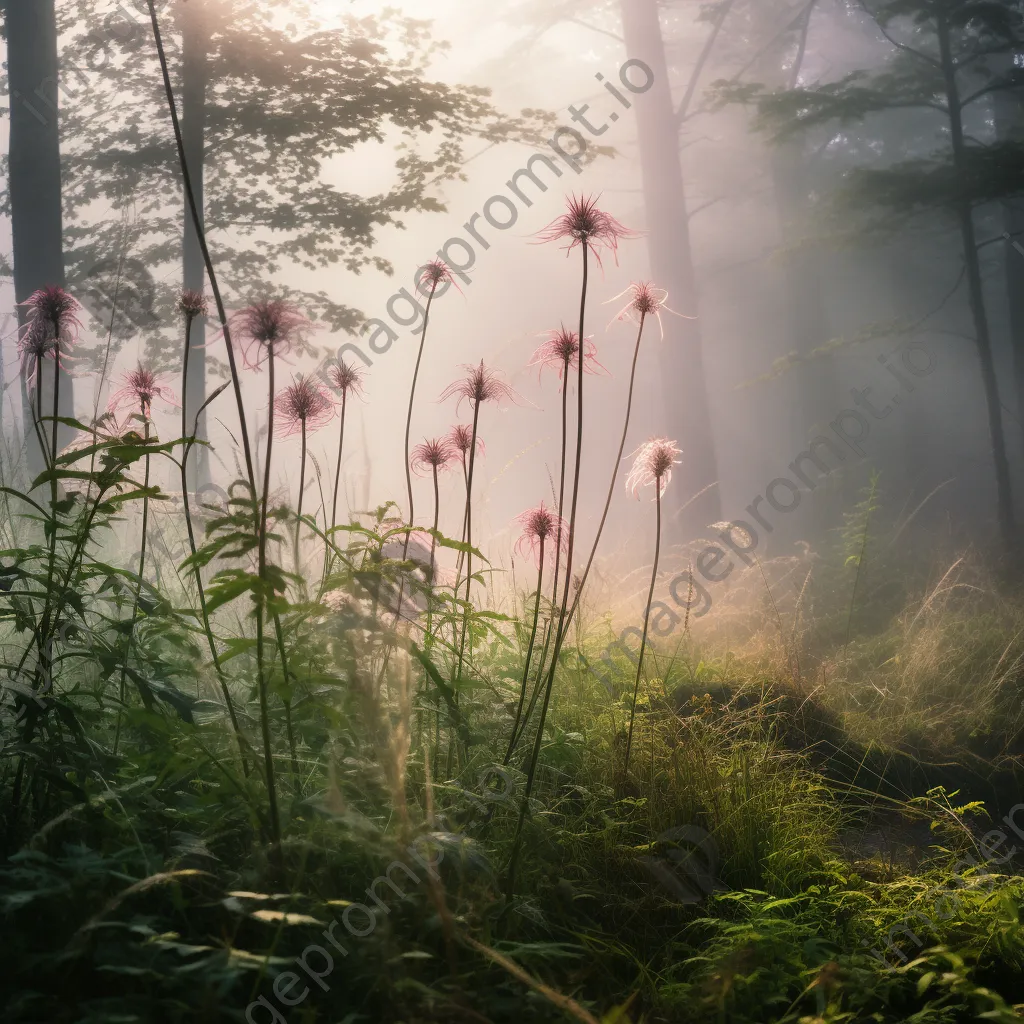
(584, 224)
(303, 406)
(51, 329)
(268, 328)
(644, 300)
(346, 378)
(653, 465)
(435, 454)
(192, 304)
(461, 439)
(138, 389)
(479, 385)
(539, 524)
(562, 351)
(433, 275)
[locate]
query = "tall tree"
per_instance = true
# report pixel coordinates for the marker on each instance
(939, 63)
(34, 174)
(671, 262)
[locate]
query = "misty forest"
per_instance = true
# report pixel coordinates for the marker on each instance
(512, 511)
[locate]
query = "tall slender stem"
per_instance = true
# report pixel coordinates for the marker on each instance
(529, 655)
(643, 639)
(337, 471)
(433, 547)
(302, 486)
(268, 750)
(138, 586)
(469, 540)
(408, 418)
(531, 773)
(615, 475)
(200, 589)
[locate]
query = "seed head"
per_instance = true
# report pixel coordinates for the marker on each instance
(138, 389)
(50, 330)
(561, 352)
(304, 404)
(645, 300)
(479, 385)
(541, 525)
(435, 454)
(433, 274)
(653, 465)
(192, 304)
(584, 224)
(346, 378)
(271, 327)
(461, 439)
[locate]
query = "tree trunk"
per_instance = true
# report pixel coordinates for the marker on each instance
(671, 261)
(965, 218)
(1008, 108)
(34, 180)
(195, 46)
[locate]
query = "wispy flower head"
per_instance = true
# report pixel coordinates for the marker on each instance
(653, 465)
(192, 304)
(562, 351)
(434, 454)
(50, 330)
(461, 438)
(272, 326)
(433, 274)
(541, 525)
(138, 389)
(346, 378)
(584, 224)
(645, 300)
(304, 403)
(479, 385)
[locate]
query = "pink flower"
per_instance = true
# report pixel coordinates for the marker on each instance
(479, 385)
(433, 274)
(584, 224)
(51, 329)
(138, 389)
(270, 327)
(539, 524)
(192, 304)
(644, 300)
(653, 465)
(435, 454)
(305, 403)
(346, 378)
(562, 351)
(461, 438)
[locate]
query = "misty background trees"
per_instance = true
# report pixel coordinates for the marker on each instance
(817, 179)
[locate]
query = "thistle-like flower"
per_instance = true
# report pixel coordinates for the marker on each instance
(479, 385)
(461, 438)
(653, 465)
(192, 304)
(271, 327)
(645, 300)
(304, 404)
(433, 274)
(435, 454)
(562, 351)
(346, 378)
(540, 525)
(51, 329)
(138, 389)
(584, 224)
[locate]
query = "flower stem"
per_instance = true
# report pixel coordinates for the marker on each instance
(337, 472)
(200, 589)
(529, 655)
(408, 418)
(469, 542)
(302, 485)
(531, 773)
(138, 589)
(615, 473)
(643, 640)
